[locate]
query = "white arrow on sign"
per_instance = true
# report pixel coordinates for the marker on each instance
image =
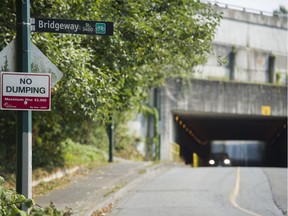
(40, 63)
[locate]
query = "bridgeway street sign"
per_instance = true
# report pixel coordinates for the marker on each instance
(25, 91)
(71, 26)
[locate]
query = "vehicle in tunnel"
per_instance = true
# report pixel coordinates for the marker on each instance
(219, 160)
(241, 152)
(249, 140)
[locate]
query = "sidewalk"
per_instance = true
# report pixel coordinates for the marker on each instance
(85, 194)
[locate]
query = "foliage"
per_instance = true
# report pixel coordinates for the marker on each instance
(282, 11)
(51, 129)
(10, 203)
(77, 154)
(152, 115)
(125, 142)
(7, 140)
(153, 40)
(50, 210)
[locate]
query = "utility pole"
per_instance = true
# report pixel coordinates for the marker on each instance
(24, 118)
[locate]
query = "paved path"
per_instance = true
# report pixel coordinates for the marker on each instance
(85, 193)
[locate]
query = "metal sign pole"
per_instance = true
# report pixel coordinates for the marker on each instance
(110, 129)
(24, 124)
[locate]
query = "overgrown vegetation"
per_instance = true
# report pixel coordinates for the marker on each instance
(103, 76)
(10, 203)
(76, 154)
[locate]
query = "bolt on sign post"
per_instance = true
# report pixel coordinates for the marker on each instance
(24, 118)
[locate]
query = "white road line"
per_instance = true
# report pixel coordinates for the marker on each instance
(234, 194)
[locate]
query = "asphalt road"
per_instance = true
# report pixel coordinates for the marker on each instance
(208, 191)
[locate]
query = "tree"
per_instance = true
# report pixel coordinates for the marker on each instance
(282, 11)
(153, 40)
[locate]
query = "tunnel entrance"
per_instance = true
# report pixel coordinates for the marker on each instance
(197, 133)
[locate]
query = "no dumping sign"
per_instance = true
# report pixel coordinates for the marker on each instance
(25, 91)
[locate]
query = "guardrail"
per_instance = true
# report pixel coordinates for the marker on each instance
(237, 7)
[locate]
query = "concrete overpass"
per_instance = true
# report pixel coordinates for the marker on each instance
(244, 100)
(204, 111)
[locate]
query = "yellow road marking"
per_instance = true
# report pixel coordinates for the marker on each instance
(234, 194)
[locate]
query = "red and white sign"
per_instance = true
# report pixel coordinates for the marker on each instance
(25, 91)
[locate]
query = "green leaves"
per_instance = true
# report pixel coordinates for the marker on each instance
(153, 40)
(10, 201)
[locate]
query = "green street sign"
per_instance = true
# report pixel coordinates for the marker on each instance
(100, 28)
(72, 26)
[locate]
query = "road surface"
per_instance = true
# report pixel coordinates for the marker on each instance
(208, 191)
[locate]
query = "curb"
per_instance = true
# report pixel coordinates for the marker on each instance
(111, 201)
(59, 174)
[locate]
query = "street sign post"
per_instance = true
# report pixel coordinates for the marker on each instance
(25, 91)
(34, 94)
(71, 26)
(24, 118)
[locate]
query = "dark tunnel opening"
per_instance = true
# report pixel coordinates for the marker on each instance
(248, 140)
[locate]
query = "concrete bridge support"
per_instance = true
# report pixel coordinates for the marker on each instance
(217, 110)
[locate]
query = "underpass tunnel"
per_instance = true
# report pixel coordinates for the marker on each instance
(249, 140)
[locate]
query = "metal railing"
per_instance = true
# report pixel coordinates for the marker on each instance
(240, 8)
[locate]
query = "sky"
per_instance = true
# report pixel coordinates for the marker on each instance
(262, 5)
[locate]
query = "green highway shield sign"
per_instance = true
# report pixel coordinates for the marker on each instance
(71, 26)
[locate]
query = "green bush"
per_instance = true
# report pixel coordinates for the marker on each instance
(10, 203)
(78, 154)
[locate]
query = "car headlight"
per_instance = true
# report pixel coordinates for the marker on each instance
(211, 162)
(226, 161)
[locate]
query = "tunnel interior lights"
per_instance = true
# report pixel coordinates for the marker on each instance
(176, 118)
(189, 131)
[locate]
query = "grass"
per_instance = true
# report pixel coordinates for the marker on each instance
(142, 171)
(76, 154)
(115, 189)
(46, 187)
(85, 156)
